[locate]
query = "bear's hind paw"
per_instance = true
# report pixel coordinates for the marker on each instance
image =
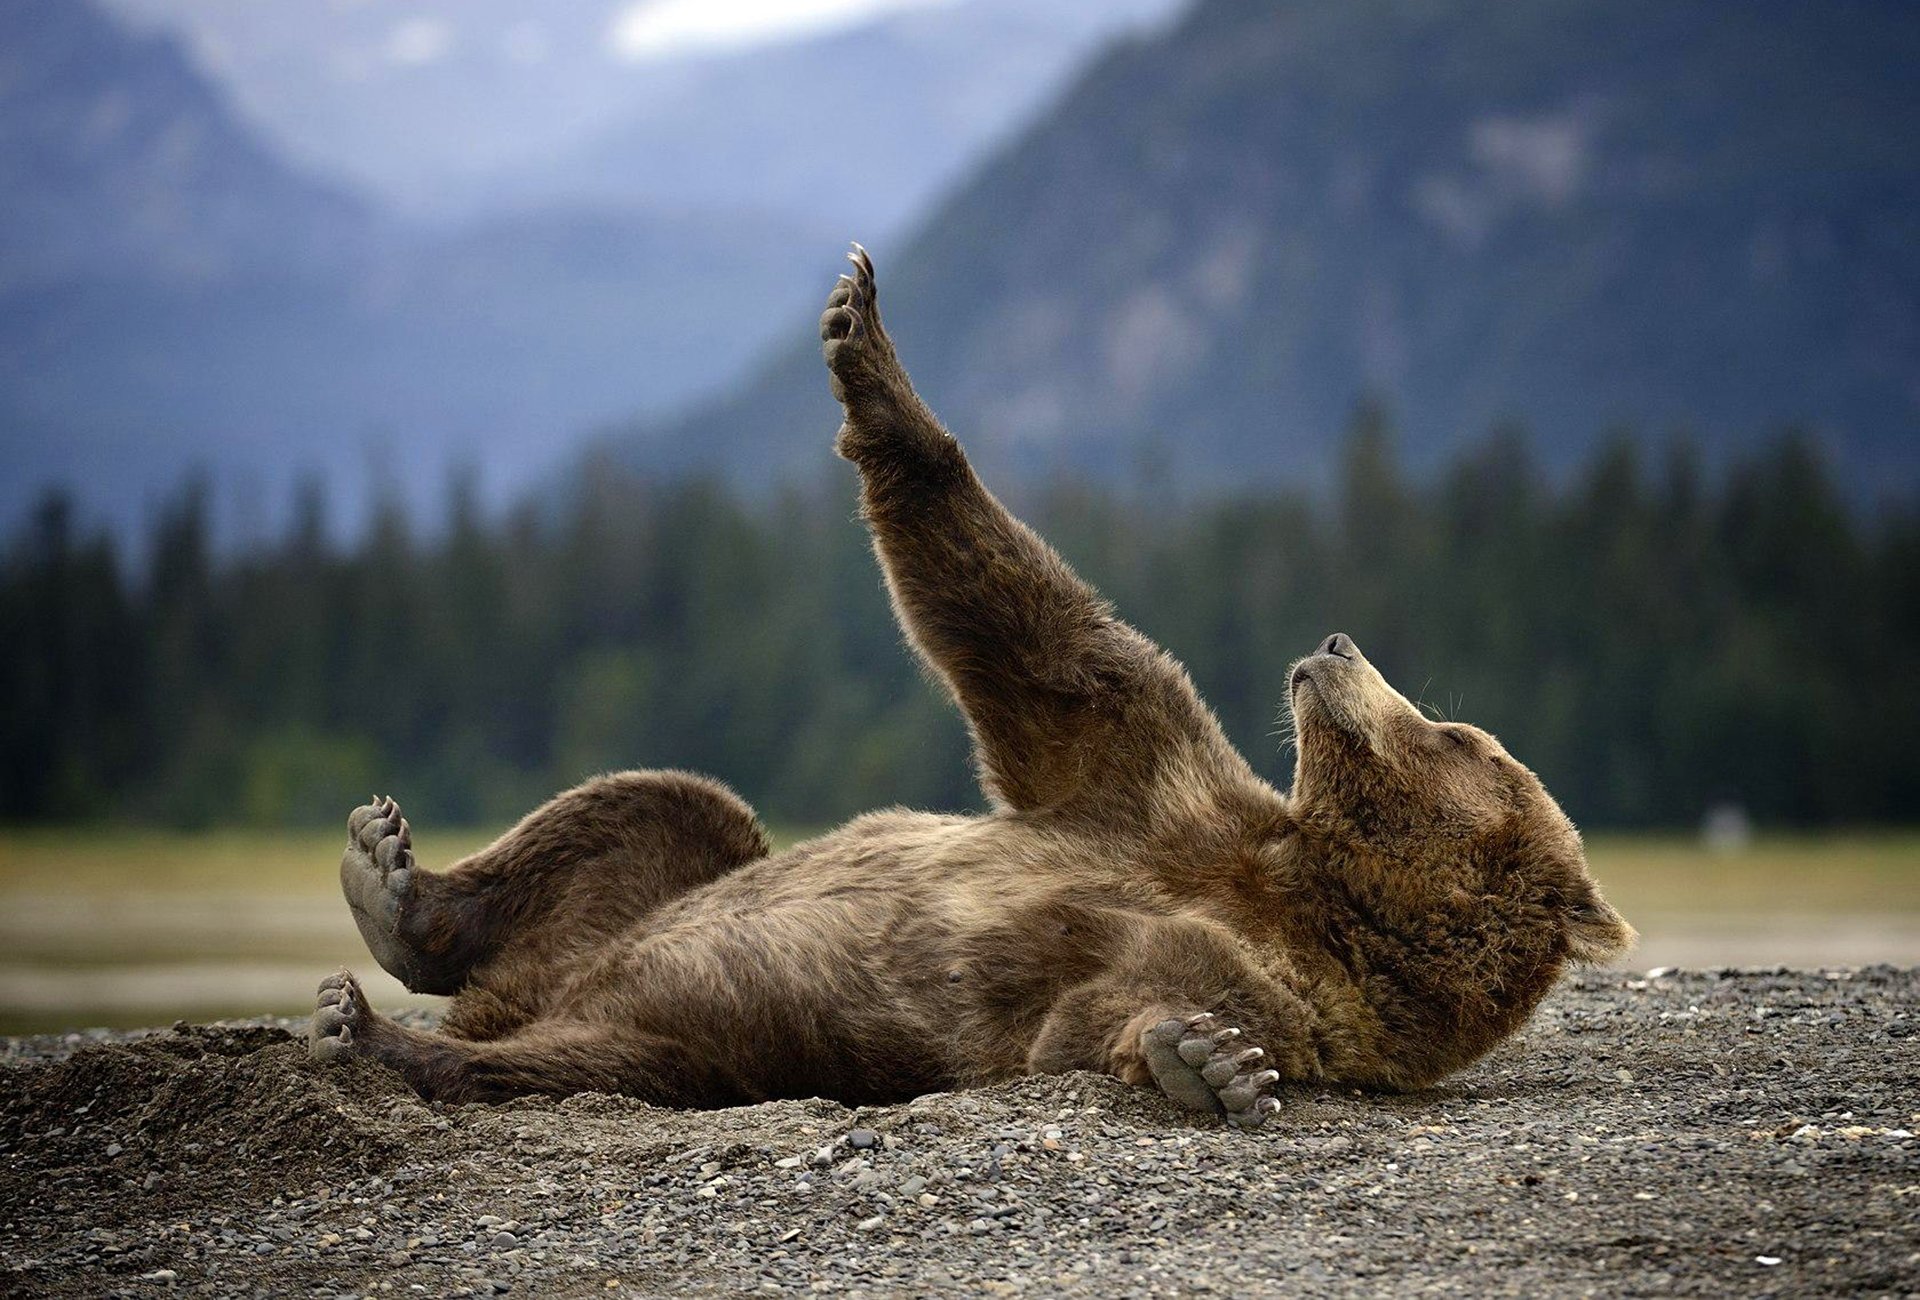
(340, 1017)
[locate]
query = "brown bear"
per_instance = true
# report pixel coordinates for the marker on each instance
(1137, 901)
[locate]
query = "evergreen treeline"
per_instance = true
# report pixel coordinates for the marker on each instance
(1650, 638)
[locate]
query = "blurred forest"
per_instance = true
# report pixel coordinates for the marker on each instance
(1651, 637)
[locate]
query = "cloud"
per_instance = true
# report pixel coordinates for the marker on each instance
(652, 28)
(417, 41)
(1544, 158)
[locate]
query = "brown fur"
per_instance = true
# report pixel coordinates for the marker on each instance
(1393, 917)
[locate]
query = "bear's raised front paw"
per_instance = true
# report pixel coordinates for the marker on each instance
(1205, 1067)
(339, 1018)
(850, 335)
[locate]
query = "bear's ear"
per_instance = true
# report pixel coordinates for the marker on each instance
(1595, 932)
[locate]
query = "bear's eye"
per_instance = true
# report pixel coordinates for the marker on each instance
(1459, 738)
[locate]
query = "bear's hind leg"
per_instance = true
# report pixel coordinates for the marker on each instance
(583, 867)
(553, 1058)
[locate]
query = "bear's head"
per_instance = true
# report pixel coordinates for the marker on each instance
(1436, 824)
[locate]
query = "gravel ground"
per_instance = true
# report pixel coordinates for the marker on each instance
(1744, 1133)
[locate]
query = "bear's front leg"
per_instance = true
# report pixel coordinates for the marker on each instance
(1194, 1056)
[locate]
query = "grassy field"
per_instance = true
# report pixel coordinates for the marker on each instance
(143, 927)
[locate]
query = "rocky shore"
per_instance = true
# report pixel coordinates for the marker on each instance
(1681, 1133)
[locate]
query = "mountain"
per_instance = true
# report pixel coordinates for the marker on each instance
(1572, 214)
(405, 101)
(118, 159)
(132, 195)
(510, 104)
(176, 294)
(855, 129)
(491, 347)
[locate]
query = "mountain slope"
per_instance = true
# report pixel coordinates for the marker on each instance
(116, 157)
(173, 296)
(507, 103)
(1571, 213)
(855, 128)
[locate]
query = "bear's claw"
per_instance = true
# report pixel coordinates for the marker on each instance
(1200, 1067)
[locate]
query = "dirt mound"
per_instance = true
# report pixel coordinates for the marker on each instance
(1690, 1134)
(201, 1097)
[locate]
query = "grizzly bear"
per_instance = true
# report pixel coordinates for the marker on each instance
(1137, 901)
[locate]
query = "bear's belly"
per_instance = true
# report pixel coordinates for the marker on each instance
(918, 982)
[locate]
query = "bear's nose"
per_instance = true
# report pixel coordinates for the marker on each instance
(1340, 644)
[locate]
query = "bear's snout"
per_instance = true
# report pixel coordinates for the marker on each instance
(1340, 646)
(1337, 646)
